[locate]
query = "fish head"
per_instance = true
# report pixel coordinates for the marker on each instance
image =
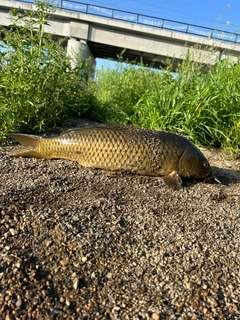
(193, 164)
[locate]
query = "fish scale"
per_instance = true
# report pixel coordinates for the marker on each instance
(106, 149)
(141, 151)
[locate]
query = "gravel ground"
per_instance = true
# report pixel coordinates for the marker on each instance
(79, 243)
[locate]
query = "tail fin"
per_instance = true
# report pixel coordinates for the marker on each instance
(28, 148)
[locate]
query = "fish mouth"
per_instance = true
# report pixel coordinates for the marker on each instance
(212, 177)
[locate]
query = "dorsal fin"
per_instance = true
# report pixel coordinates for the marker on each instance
(96, 127)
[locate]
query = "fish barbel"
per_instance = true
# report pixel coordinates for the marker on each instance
(141, 151)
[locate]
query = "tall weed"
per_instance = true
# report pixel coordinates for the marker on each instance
(204, 107)
(38, 87)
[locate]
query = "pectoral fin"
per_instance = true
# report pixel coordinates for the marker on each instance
(173, 180)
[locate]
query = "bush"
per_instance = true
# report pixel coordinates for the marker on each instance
(203, 107)
(38, 87)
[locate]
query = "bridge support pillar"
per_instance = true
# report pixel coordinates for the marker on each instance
(76, 46)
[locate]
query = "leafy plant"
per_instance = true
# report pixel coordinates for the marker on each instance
(38, 87)
(205, 107)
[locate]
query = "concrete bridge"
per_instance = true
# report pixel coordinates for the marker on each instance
(106, 32)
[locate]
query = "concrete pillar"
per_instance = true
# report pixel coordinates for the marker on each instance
(76, 46)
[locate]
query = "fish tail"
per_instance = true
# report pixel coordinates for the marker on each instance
(29, 146)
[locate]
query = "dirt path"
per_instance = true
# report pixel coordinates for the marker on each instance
(80, 243)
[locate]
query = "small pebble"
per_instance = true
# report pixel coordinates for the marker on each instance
(64, 262)
(75, 283)
(19, 302)
(68, 303)
(12, 231)
(84, 259)
(155, 316)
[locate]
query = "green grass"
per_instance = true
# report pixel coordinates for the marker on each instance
(38, 87)
(39, 90)
(203, 107)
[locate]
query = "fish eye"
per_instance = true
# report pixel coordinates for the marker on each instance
(205, 164)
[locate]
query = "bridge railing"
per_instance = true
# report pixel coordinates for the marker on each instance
(151, 21)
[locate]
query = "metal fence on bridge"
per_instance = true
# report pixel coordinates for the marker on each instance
(81, 7)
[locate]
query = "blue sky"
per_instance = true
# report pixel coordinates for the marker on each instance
(208, 13)
(217, 14)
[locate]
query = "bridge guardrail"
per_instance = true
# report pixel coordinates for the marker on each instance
(151, 21)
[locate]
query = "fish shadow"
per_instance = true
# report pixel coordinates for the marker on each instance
(225, 176)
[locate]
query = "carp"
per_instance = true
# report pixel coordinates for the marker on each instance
(122, 148)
